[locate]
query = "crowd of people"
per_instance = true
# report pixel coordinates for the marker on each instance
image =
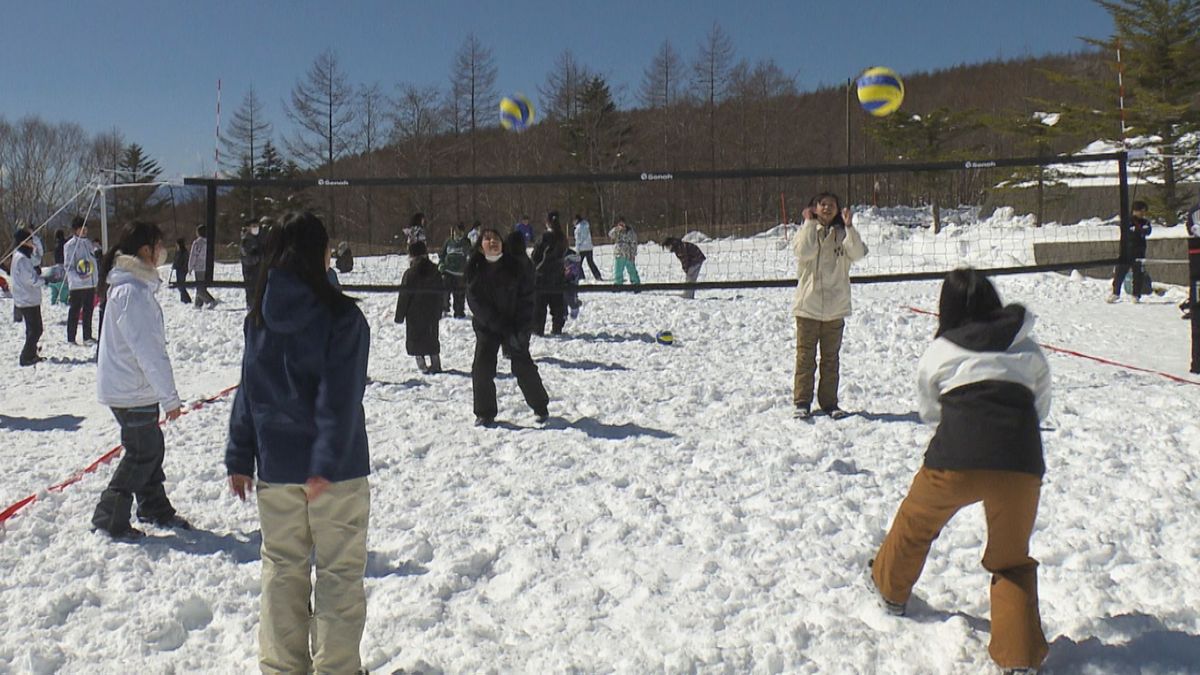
(297, 430)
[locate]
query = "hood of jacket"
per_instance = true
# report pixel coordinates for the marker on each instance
(288, 305)
(996, 333)
(129, 269)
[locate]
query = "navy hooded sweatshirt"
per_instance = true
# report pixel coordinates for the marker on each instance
(298, 412)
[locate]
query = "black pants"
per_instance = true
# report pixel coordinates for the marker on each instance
(181, 278)
(1139, 278)
(456, 288)
(587, 255)
(250, 278)
(203, 297)
(557, 304)
(81, 300)
(140, 474)
(483, 375)
(32, 316)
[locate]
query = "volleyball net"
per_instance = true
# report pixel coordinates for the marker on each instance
(919, 220)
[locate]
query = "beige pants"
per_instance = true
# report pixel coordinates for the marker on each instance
(811, 334)
(334, 526)
(1010, 501)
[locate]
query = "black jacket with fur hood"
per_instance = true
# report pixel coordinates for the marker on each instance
(986, 385)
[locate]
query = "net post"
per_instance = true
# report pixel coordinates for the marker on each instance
(210, 223)
(1193, 249)
(1123, 179)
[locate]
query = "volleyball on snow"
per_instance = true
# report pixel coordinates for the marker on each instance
(516, 112)
(665, 337)
(880, 91)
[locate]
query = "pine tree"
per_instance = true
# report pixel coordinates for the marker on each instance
(136, 167)
(926, 138)
(597, 139)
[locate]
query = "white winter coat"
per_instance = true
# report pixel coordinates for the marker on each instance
(26, 284)
(133, 368)
(76, 250)
(823, 279)
(198, 256)
(583, 236)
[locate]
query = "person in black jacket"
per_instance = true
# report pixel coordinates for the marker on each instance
(548, 264)
(690, 257)
(1133, 249)
(251, 250)
(500, 294)
(180, 267)
(986, 385)
(420, 304)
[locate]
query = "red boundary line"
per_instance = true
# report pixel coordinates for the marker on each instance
(1107, 362)
(107, 457)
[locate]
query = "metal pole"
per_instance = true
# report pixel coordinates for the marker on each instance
(849, 197)
(210, 221)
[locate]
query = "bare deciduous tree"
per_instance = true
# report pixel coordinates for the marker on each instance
(710, 82)
(560, 94)
(472, 87)
(662, 82)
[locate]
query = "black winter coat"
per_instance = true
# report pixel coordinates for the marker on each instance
(548, 258)
(421, 310)
(501, 296)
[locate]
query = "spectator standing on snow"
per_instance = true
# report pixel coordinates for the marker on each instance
(298, 425)
(548, 274)
(825, 246)
(625, 246)
(251, 255)
(180, 268)
(419, 305)
(82, 277)
(452, 263)
(27, 283)
(198, 265)
(1133, 249)
(344, 258)
(416, 229)
(500, 292)
(690, 257)
(473, 234)
(583, 244)
(133, 378)
(525, 229)
(986, 385)
(572, 274)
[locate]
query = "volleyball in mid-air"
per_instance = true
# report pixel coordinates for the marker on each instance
(665, 337)
(516, 112)
(880, 91)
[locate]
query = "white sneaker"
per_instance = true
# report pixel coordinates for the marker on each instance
(1112, 298)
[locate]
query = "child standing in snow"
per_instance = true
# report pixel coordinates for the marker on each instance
(572, 273)
(625, 246)
(986, 385)
(27, 285)
(1133, 249)
(198, 265)
(420, 305)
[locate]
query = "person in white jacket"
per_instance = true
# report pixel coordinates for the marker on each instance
(134, 377)
(986, 385)
(27, 285)
(198, 265)
(825, 246)
(584, 246)
(80, 265)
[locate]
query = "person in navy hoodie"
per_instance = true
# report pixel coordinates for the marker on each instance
(298, 426)
(986, 385)
(134, 378)
(1133, 250)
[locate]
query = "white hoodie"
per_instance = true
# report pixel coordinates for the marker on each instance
(26, 284)
(583, 236)
(134, 369)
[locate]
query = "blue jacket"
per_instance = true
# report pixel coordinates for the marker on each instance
(298, 412)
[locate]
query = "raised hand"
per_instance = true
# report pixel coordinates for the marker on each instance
(848, 216)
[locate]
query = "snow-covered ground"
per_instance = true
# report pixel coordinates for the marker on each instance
(671, 517)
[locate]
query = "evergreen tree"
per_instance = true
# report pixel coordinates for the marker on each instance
(136, 167)
(926, 138)
(596, 138)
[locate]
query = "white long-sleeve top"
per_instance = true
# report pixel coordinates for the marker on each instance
(134, 369)
(26, 284)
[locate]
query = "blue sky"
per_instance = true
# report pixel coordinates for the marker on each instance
(150, 68)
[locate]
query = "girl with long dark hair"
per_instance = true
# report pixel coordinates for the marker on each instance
(548, 272)
(133, 378)
(986, 385)
(298, 426)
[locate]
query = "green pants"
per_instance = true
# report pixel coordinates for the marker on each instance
(812, 335)
(626, 265)
(334, 526)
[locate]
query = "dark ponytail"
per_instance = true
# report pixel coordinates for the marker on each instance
(132, 238)
(299, 246)
(967, 295)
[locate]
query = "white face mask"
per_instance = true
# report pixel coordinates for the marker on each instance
(493, 258)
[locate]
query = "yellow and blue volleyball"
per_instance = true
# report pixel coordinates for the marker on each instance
(880, 91)
(516, 112)
(665, 337)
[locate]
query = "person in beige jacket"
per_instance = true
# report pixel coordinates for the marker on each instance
(826, 245)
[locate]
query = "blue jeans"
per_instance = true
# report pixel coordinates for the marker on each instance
(140, 473)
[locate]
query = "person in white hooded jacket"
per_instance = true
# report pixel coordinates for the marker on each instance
(986, 385)
(826, 245)
(134, 377)
(27, 293)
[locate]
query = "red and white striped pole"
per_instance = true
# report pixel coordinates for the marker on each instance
(217, 136)
(1121, 90)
